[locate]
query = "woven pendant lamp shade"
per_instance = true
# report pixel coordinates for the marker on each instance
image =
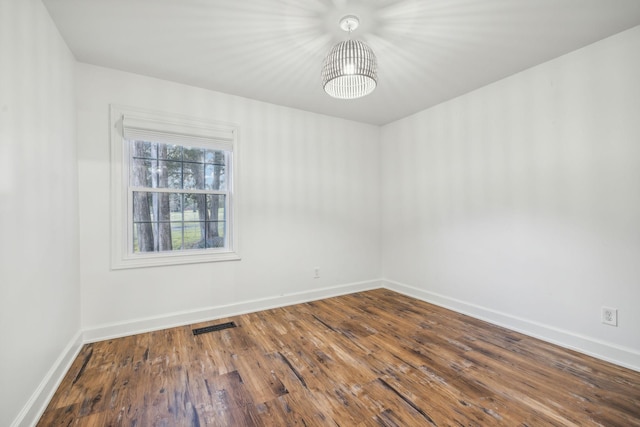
(350, 70)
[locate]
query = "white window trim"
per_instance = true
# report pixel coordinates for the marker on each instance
(170, 128)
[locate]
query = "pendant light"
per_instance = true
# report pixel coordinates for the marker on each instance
(350, 69)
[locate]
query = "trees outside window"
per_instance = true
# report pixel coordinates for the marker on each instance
(179, 197)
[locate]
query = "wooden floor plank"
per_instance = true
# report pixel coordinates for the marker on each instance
(375, 358)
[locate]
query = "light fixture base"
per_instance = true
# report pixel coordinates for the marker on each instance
(349, 23)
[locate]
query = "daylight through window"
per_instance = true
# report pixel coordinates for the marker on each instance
(179, 197)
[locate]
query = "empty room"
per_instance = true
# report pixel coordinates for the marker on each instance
(320, 213)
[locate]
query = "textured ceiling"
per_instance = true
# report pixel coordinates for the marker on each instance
(428, 51)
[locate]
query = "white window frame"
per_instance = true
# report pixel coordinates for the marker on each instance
(128, 123)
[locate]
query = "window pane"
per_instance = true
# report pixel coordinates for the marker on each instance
(142, 207)
(141, 172)
(194, 207)
(199, 209)
(189, 206)
(162, 205)
(215, 157)
(173, 152)
(171, 174)
(176, 235)
(175, 205)
(193, 232)
(193, 176)
(143, 149)
(177, 201)
(195, 155)
(216, 225)
(143, 237)
(216, 207)
(215, 234)
(215, 177)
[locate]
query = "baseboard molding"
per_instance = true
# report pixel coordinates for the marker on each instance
(37, 403)
(618, 355)
(116, 330)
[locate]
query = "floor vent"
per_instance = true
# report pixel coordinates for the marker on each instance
(213, 328)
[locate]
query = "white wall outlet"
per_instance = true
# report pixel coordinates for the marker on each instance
(610, 316)
(316, 273)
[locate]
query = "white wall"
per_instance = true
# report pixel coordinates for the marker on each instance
(308, 193)
(39, 282)
(520, 202)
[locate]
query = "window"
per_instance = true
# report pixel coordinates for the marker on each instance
(172, 189)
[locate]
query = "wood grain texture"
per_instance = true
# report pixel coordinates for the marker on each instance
(374, 358)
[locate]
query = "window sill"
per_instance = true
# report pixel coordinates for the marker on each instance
(162, 260)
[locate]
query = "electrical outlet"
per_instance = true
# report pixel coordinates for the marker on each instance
(316, 273)
(610, 316)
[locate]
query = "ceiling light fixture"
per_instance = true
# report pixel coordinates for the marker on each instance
(350, 69)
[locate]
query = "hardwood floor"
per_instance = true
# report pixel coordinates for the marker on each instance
(373, 358)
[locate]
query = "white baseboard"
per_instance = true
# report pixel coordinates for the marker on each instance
(116, 330)
(37, 403)
(609, 352)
